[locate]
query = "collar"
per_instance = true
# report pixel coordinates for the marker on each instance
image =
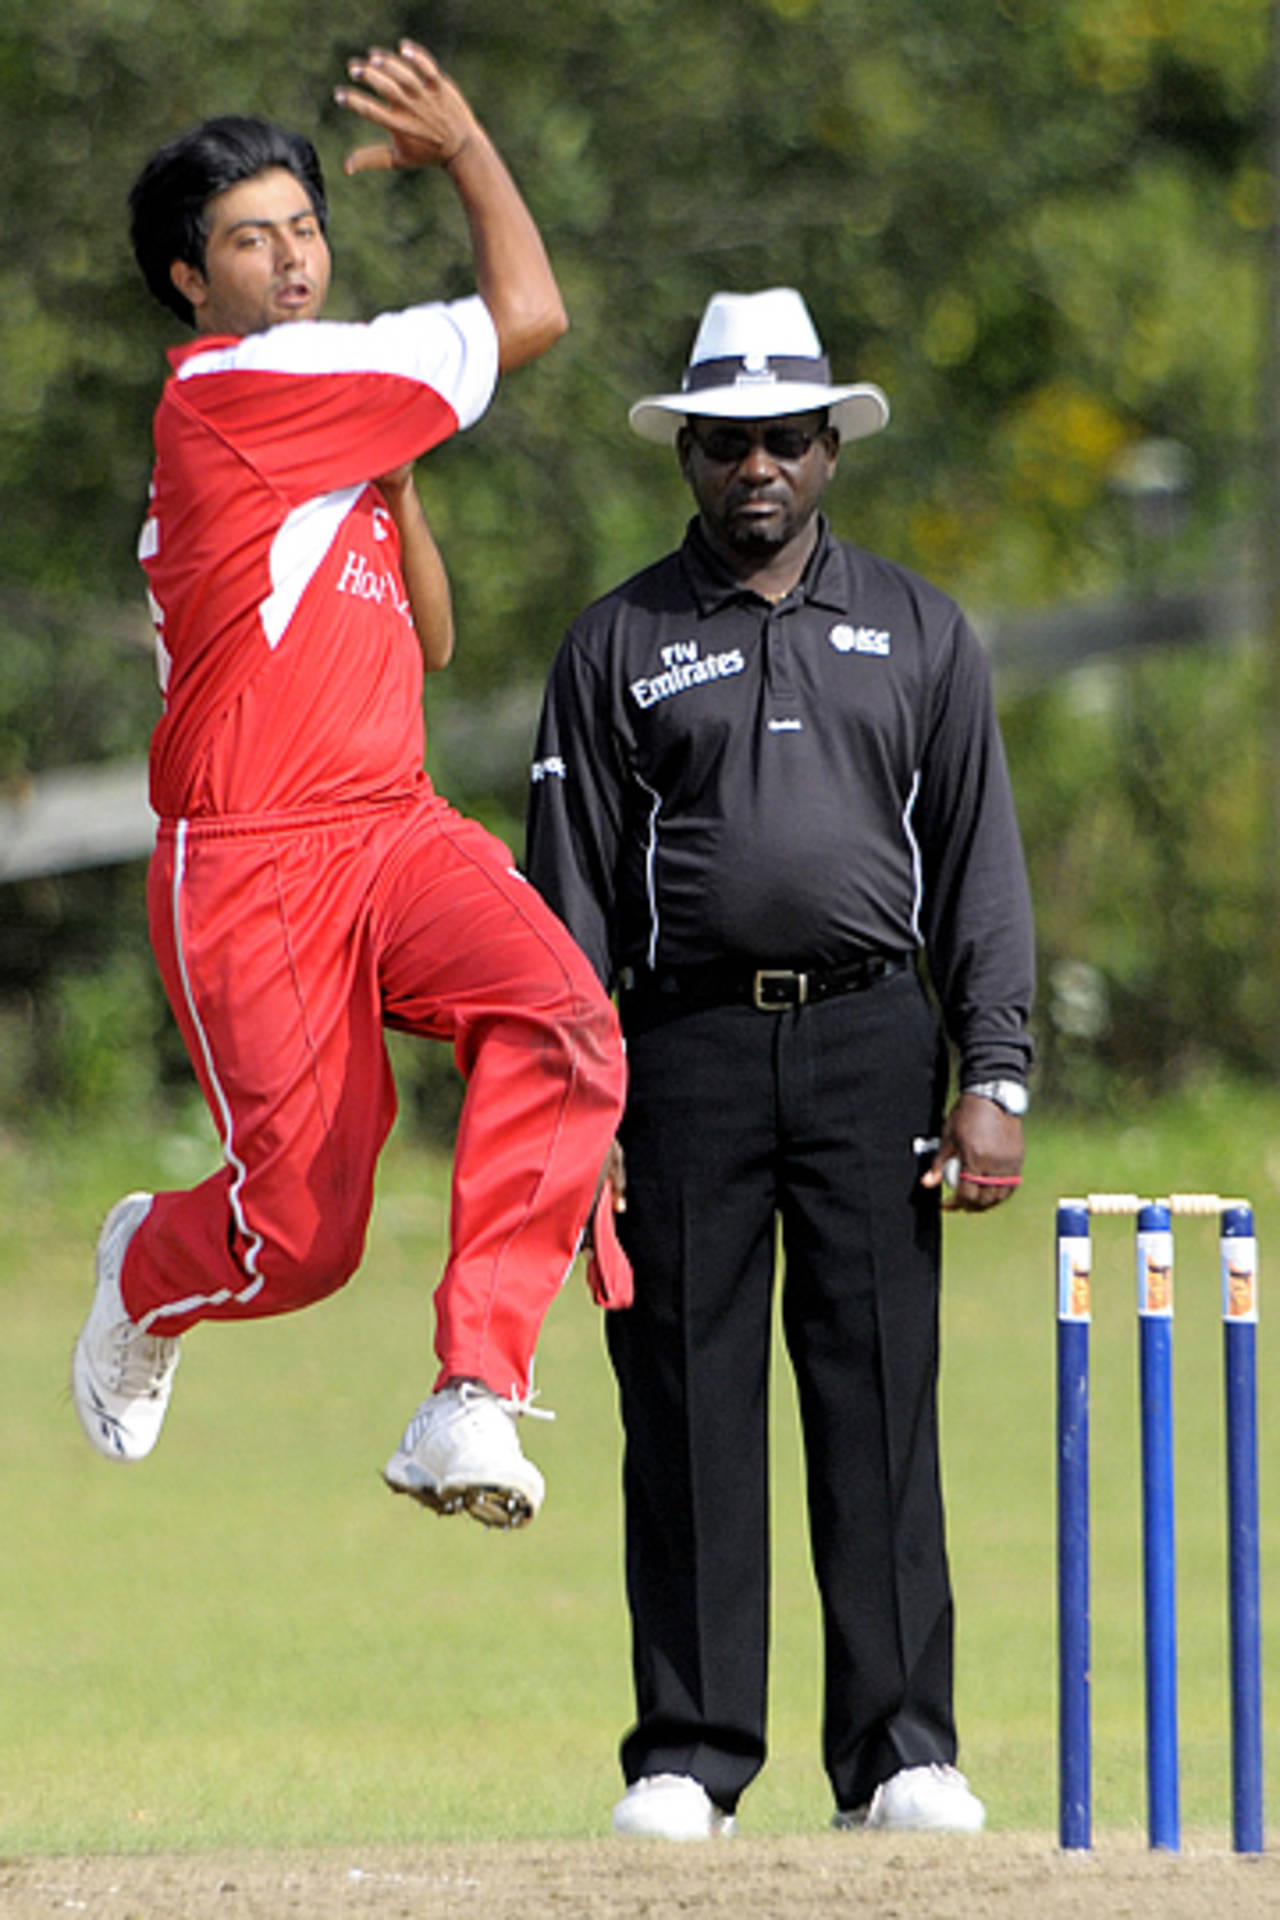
(713, 586)
(202, 343)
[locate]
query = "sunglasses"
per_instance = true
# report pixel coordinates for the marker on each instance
(727, 445)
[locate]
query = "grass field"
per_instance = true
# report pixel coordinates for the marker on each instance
(247, 1641)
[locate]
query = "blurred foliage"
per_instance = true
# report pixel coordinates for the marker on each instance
(1039, 224)
(1138, 795)
(1036, 223)
(77, 682)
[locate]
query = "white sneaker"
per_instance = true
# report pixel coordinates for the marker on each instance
(121, 1378)
(460, 1454)
(671, 1806)
(933, 1799)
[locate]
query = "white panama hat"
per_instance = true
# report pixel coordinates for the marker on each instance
(758, 355)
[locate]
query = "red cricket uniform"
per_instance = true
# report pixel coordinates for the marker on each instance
(309, 887)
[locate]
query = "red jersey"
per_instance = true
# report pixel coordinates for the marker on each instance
(290, 670)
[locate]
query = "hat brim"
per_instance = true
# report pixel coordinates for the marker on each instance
(855, 411)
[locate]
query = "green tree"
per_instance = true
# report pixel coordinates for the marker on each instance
(1035, 223)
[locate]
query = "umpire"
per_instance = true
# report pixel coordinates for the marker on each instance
(769, 784)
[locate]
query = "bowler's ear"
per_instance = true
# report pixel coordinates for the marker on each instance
(190, 282)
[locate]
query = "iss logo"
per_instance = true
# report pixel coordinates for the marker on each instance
(847, 639)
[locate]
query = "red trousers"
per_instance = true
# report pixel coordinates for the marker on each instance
(286, 945)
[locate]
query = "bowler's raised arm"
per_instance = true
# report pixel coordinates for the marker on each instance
(430, 124)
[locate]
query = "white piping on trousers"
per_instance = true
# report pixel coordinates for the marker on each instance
(239, 1171)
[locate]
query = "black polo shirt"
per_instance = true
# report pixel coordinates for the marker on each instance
(794, 784)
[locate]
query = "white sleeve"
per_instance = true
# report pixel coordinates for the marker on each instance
(453, 349)
(450, 347)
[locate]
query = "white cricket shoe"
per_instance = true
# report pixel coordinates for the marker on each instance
(933, 1799)
(460, 1454)
(121, 1377)
(671, 1806)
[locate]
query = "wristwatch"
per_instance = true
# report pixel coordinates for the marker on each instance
(1009, 1094)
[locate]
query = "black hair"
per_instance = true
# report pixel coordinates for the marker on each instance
(167, 219)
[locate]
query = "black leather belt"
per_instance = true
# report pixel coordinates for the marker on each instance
(768, 989)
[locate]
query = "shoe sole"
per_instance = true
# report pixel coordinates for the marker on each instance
(502, 1507)
(924, 1826)
(723, 1828)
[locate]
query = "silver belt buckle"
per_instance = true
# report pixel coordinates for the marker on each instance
(760, 984)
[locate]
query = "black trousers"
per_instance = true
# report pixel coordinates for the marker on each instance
(738, 1120)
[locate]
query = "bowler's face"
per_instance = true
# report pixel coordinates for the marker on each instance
(266, 259)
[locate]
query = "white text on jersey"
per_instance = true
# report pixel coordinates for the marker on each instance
(682, 673)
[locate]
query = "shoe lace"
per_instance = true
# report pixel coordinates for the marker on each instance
(471, 1393)
(516, 1405)
(141, 1361)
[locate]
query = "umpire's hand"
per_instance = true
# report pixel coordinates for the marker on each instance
(986, 1146)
